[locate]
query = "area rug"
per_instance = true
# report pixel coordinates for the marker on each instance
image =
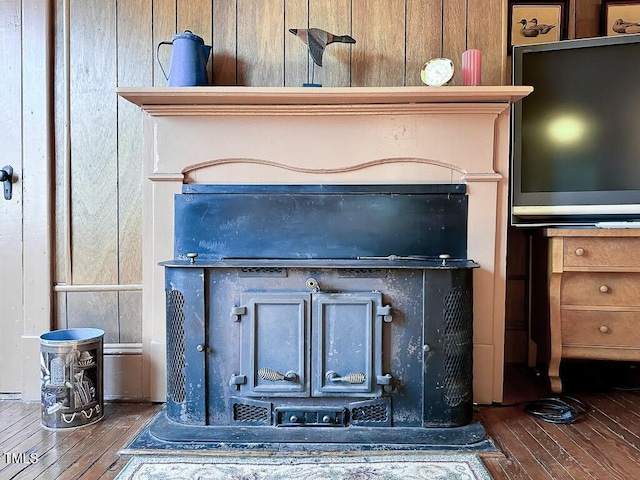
(319, 467)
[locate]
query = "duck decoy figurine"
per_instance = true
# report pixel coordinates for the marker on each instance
(527, 31)
(317, 40)
(621, 26)
(541, 27)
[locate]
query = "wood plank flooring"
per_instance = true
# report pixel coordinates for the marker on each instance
(88, 452)
(604, 444)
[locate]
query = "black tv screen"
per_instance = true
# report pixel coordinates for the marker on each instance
(576, 137)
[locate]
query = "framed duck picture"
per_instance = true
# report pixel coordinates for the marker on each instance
(536, 22)
(620, 17)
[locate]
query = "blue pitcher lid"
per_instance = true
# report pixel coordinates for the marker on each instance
(188, 35)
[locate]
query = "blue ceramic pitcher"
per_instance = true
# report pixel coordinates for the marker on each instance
(188, 60)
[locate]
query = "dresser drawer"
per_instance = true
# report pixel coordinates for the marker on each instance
(598, 328)
(601, 252)
(600, 288)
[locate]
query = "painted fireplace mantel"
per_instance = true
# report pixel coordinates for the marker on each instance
(247, 135)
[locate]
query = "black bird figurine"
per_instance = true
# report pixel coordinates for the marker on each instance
(317, 39)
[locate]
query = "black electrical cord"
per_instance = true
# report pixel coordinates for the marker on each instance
(562, 410)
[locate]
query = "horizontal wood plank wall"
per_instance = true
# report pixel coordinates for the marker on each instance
(102, 44)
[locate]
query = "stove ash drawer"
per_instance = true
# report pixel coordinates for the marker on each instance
(319, 344)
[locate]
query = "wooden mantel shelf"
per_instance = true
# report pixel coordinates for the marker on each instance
(155, 96)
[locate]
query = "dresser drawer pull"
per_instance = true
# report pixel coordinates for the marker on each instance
(579, 252)
(604, 288)
(604, 328)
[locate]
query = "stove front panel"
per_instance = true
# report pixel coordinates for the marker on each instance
(261, 325)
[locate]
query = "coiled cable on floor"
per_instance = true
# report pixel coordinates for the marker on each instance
(557, 409)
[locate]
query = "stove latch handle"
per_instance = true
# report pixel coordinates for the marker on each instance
(353, 377)
(385, 313)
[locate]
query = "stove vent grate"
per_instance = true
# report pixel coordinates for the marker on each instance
(262, 272)
(251, 412)
(458, 362)
(362, 272)
(371, 413)
(176, 348)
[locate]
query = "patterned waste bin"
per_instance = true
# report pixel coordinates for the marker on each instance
(71, 377)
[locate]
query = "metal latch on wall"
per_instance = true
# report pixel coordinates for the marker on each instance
(6, 177)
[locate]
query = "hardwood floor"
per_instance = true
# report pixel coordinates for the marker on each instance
(89, 452)
(603, 444)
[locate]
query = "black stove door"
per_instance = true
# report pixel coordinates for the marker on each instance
(347, 344)
(274, 343)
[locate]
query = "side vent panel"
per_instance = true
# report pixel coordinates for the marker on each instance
(176, 361)
(458, 361)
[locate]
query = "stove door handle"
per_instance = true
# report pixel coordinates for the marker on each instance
(353, 377)
(272, 375)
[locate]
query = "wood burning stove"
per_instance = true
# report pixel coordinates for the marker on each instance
(320, 316)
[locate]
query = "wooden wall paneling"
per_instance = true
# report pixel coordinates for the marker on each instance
(379, 56)
(485, 24)
(297, 63)
(135, 49)
(164, 28)
(424, 37)
(61, 310)
(261, 43)
(516, 330)
(224, 45)
(454, 34)
(588, 18)
(516, 314)
(94, 310)
(335, 17)
(94, 179)
(61, 252)
(130, 316)
(94, 141)
(571, 19)
(196, 16)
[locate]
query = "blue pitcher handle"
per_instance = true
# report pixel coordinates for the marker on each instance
(158, 57)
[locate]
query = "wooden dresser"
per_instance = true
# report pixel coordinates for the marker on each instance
(594, 296)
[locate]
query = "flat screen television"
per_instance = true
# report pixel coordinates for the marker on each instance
(575, 143)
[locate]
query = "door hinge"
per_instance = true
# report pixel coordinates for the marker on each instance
(385, 381)
(236, 380)
(237, 312)
(385, 313)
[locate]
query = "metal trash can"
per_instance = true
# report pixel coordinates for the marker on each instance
(71, 377)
